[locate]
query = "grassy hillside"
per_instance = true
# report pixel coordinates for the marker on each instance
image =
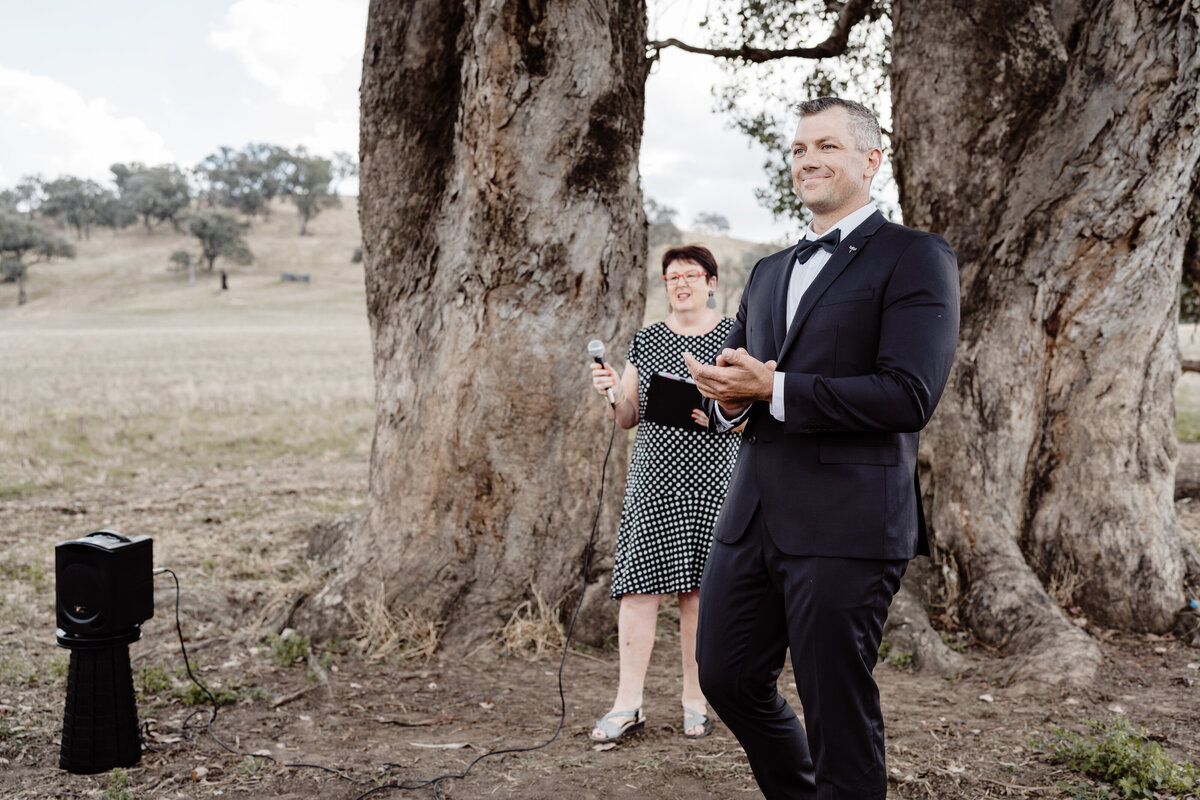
(126, 271)
(117, 367)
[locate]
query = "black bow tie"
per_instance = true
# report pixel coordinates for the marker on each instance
(806, 247)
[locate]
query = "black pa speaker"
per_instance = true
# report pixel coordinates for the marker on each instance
(104, 586)
(104, 591)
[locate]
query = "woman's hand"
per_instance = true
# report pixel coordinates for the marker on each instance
(603, 379)
(700, 418)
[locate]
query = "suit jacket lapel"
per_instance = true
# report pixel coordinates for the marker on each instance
(779, 313)
(849, 248)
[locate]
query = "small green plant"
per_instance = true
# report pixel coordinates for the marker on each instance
(956, 641)
(895, 658)
(152, 679)
(118, 786)
(1121, 755)
(289, 647)
(193, 695)
(1085, 791)
(251, 765)
(258, 693)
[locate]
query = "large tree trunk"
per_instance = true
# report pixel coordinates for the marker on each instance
(1053, 143)
(502, 229)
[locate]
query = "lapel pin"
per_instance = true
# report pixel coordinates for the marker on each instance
(852, 248)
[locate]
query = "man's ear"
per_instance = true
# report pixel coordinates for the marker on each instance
(874, 162)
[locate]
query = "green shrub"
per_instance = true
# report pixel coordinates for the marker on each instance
(895, 658)
(1122, 756)
(118, 786)
(288, 648)
(1084, 791)
(193, 695)
(151, 680)
(957, 641)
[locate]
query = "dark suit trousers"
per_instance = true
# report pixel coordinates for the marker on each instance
(755, 603)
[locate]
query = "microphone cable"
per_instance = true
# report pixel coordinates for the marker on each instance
(187, 725)
(378, 786)
(562, 700)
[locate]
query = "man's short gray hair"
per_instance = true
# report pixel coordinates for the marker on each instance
(863, 124)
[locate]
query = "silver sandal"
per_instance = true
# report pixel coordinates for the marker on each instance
(692, 718)
(615, 731)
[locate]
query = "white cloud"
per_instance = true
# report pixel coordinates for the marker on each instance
(692, 161)
(300, 49)
(334, 132)
(49, 127)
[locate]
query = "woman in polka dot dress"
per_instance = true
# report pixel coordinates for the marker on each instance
(676, 484)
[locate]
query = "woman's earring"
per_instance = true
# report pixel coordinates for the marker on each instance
(712, 301)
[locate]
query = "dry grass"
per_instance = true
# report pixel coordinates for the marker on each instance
(126, 272)
(1065, 583)
(87, 405)
(533, 631)
(117, 366)
(400, 635)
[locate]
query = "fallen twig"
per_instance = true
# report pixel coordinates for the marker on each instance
(294, 695)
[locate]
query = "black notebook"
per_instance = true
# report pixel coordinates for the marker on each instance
(671, 399)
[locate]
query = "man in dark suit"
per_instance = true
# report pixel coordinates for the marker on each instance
(840, 352)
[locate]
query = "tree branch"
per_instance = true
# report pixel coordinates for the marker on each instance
(853, 12)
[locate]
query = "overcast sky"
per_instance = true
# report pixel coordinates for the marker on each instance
(84, 84)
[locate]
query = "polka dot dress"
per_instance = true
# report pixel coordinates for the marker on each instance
(677, 478)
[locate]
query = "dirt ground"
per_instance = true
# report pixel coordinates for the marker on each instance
(231, 426)
(237, 537)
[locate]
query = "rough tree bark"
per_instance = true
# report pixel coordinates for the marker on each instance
(502, 229)
(1054, 144)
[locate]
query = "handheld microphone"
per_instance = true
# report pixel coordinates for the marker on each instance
(596, 351)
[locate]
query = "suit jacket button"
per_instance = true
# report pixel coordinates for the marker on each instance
(753, 439)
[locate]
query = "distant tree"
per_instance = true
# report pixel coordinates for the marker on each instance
(29, 194)
(269, 161)
(26, 197)
(711, 223)
(661, 219)
(219, 178)
(243, 180)
(115, 214)
(76, 203)
(309, 184)
(345, 166)
(24, 242)
(180, 260)
(156, 194)
(220, 235)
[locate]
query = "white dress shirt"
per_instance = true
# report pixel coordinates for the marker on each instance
(803, 275)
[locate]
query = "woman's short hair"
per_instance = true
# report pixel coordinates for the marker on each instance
(696, 253)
